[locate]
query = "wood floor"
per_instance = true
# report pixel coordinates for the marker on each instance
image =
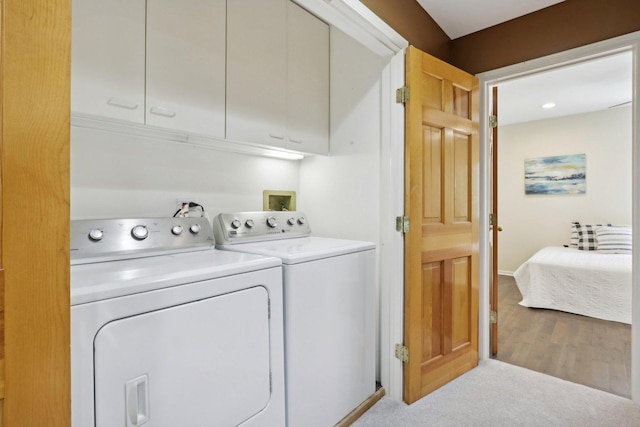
(588, 351)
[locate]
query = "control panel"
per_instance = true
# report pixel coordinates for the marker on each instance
(96, 240)
(245, 227)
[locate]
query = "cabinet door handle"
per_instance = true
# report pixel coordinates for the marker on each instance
(121, 103)
(295, 139)
(276, 134)
(161, 111)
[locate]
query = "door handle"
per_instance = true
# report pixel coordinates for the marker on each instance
(121, 103)
(137, 401)
(499, 228)
(161, 111)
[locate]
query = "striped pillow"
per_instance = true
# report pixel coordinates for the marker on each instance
(573, 243)
(614, 240)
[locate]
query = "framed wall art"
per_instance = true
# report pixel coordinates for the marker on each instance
(556, 175)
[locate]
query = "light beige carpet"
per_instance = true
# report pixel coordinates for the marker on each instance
(499, 394)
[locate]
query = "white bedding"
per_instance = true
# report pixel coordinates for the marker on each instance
(581, 282)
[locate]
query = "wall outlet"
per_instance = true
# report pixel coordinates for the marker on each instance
(181, 200)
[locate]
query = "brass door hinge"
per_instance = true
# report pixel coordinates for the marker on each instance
(402, 353)
(493, 122)
(493, 219)
(402, 224)
(493, 316)
(402, 95)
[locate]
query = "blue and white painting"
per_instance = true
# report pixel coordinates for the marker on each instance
(556, 175)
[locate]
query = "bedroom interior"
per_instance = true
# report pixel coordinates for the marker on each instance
(579, 331)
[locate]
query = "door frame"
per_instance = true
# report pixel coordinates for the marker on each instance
(629, 42)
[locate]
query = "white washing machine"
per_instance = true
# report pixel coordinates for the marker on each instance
(167, 331)
(329, 311)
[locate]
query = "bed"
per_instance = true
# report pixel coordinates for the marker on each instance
(577, 281)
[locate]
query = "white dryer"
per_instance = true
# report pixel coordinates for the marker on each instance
(329, 287)
(167, 331)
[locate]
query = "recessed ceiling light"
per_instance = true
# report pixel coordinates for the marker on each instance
(549, 105)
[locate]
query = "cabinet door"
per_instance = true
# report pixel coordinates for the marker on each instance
(256, 71)
(185, 84)
(307, 82)
(108, 51)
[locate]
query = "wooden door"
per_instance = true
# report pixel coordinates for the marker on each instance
(493, 176)
(441, 247)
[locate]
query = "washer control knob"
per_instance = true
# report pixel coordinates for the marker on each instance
(301, 220)
(194, 229)
(249, 223)
(291, 221)
(176, 230)
(140, 232)
(235, 224)
(96, 235)
(272, 222)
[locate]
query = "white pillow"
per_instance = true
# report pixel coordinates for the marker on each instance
(573, 243)
(614, 240)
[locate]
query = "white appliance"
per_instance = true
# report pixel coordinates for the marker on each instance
(167, 331)
(329, 311)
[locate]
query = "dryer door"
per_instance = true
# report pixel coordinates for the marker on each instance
(201, 363)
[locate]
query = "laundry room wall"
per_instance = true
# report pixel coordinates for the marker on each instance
(115, 175)
(341, 192)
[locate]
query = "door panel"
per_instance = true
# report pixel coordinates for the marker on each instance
(441, 248)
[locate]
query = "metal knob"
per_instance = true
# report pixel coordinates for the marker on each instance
(195, 228)
(140, 232)
(301, 220)
(96, 235)
(272, 222)
(176, 230)
(291, 221)
(249, 223)
(235, 224)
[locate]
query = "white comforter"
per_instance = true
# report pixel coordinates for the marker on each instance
(581, 282)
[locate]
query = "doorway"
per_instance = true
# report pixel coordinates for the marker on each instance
(555, 62)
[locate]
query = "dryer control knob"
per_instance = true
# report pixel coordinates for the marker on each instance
(96, 235)
(301, 220)
(272, 222)
(291, 221)
(235, 224)
(176, 230)
(140, 232)
(249, 223)
(195, 228)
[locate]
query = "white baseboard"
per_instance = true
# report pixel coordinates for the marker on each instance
(505, 273)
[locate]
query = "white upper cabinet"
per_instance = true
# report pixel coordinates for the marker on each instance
(257, 71)
(185, 85)
(108, 58)
(307, 82)
(251, 71)
(277, 76)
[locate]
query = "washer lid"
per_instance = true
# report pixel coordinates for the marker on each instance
(104, 280)
(293, 251)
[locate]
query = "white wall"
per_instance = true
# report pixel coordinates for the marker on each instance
(113, 176)
(341, 193)
(534, 221)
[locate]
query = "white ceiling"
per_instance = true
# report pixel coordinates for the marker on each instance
(586, 87)
(461, 17)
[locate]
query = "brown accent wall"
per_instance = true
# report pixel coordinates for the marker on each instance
(409, 19)
(567, 25)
